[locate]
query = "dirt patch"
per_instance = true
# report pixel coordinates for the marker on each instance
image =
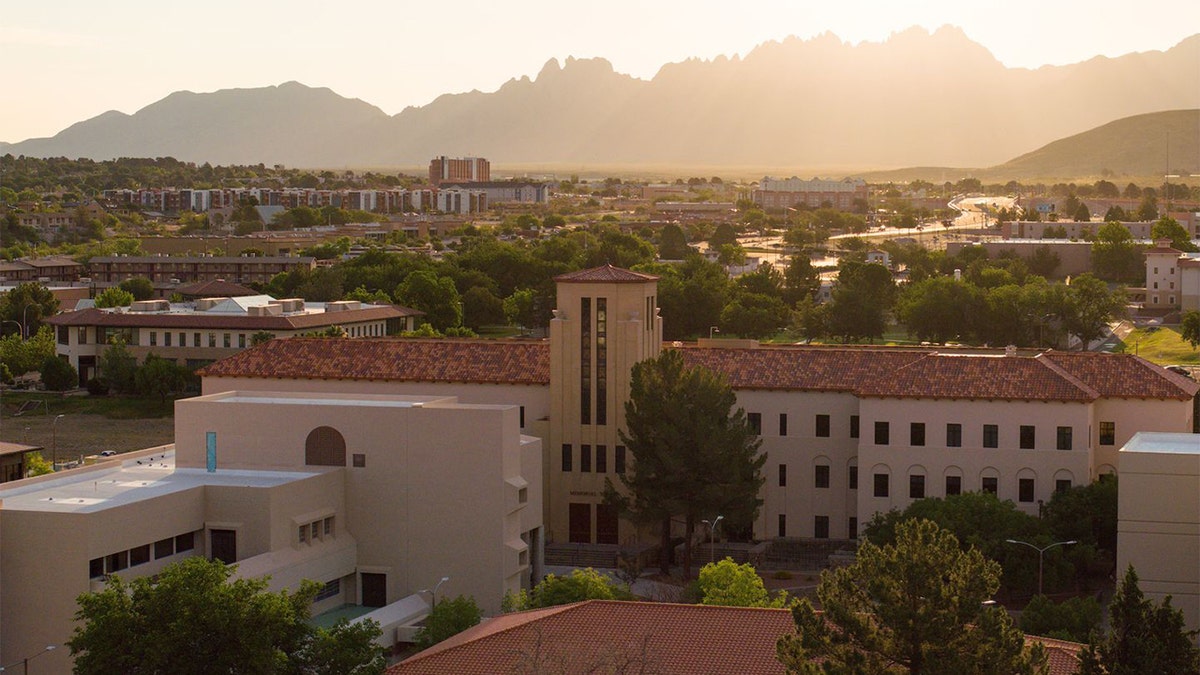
(77, 435)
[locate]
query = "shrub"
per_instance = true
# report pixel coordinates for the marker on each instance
(97, 386)
(58, 374)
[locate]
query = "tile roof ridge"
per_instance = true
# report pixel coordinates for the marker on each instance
(1048, 362)
(530, 615)
(1187, 384)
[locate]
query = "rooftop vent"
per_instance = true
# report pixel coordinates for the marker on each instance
(150, 306)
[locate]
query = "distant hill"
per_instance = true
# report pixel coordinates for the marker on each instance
(919, 98)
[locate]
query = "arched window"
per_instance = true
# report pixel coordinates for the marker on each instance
(325, 447)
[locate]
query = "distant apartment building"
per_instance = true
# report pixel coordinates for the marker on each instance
(1172, 278)
(461, 201)
(459, 170)
(507, 191)
(200, 332)
(782, 193)
(47, 224)
(108, 270)
(47, 269)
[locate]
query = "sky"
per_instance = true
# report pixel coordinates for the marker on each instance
(69, 60)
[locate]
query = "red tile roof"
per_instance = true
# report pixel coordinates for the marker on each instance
(396, 359)
(1006, 378)
(1123, 375)
(605, 274)
(98, 317)
(1061, 656)
(603, 635)
(800, 368)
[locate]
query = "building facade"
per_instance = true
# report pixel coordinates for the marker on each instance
(783, 193)
(458, 170)
(110, 270)
(1172, 278)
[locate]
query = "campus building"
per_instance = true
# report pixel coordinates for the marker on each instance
(458, 170)
(1172, 278)
(848, 431)
(361, 493)
(784, 193)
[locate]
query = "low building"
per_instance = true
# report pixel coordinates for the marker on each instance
(57, 268)
(110, 270)
(208, 329)
(784, 193)
(1158, 530)
(362, 493)
(504, 191)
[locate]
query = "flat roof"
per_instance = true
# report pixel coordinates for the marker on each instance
(357, 402)
(1164, 442)
(130, 481)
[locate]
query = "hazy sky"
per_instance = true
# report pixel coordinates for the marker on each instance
(68, 60)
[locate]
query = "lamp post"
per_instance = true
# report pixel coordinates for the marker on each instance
(25, 322)
(712, 532)
(711, 330)
(54, 442)
(1041, 554)
(434, 591)
(20, 328)
(25, 661)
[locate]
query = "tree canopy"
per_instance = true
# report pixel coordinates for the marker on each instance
(447, 618)
(580, 585)
(1143, 637)
(730, 584)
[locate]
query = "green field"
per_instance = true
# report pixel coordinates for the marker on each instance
(1161, 345)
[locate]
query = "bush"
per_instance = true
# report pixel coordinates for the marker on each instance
(97, 386)
(58, 374)
(1072, 620)
(585, 584)
(447, 618)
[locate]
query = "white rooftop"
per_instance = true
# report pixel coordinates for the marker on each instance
(1164, 442)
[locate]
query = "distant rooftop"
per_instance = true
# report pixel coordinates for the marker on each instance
(1164, 442)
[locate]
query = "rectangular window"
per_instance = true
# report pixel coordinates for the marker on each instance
(821, 476)
(916, 434)
(328, 524)
(881, 485)
(783, 424)
(853, 481)
(212, 339)
(852, 528)
(585, 458)
(1062, 485)
(953, 435)
(1108, 433)
(153, 338)
(226, 342)
(991, 436)
(882, 433)
(302, 533)
(1028, 437)
(241, 340)
(783, 475)
(822, 426)
(1025, 490)
(329, 590)
(185, 542)
(755, 422)
(195, 339)
(95, 568)
(82, 335)
(566, 457)
(116, 562)
(990, 484)
(821, 527)
(359, 460)
(585, 360)
(916, 486)
(1064, 438)
(601, 459)
(619, 460)
(953, 485)
(522, 413)
(854, 426)
(601, 361)
(167, 339)
(164, 548)
(782, 525)
(139, 555)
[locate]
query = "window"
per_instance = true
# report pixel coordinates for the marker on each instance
(916, 433)
(195, 339)
(82, 335)
(601, 459)
(522, 413)
(212, 339)
(241, 340)
(182, 339)
(990, 484)
(953, 435)
(164, 548)
(329, 590)
(185, 542)
(325, 446)
(822, 428)
(854, 426)
(328, 524)
(153, 338)
(585, 458)
(585, 360)
(853, 481)
(566, 457)
(226, 341)
(821, 476)
(852, 528)
(116, 562)
(1025, 490)
(1108, 433)
(783, 475)
(916, 486)
(991, 436)
(953, 485)
(1064, 438)
(783, 424)
(1062, 485)
(139, 555)
(1028, 436)
(302, 533)
(619, 460)
(95, 568)
(782, 525)
(881, 433)
(881, 485)
(821, 527)
(167, 339)
(755, 422)
(359, 460)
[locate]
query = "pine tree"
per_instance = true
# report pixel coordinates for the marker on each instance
(1144, 637)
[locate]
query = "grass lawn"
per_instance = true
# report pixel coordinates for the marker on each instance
(1161, 345)
(90, 424)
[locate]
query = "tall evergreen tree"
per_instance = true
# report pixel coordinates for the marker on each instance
(1143, 638)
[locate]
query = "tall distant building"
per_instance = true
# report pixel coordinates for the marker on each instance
(459, 170)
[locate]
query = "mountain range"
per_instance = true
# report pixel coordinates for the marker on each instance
(918, 98)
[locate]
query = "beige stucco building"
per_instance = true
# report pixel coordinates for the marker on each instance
(363, 493)
(1158, 530)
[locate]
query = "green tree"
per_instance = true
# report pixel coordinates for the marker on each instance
(754, 315)
(1143, 637)
(447, 618)
(140, 287)
(863, 295)
(1073, 619)
(724, 235)
(694, 455)
(672, 244)
(260, 337)
(916, 606)
(23, 356)
(1115, 255)
(519, 308)
(114, 296)
(160, 377)
(119, 367)
(1081, 213)
(194, 618)
(939, 309)
(37, 465)
(58, 374)
(435, 295)
(1169, 228)
(1088, 307)
(28, 304)
(482, 308)
(580, 585)
(1148, 209)
(732, 585)
(1044, 262)
(800, 279)
(1115, 214)
(1189, 328)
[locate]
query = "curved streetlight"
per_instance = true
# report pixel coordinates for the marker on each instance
(711, 330)
(1041, 554)
(712, 531)
(54, 441)
(20, 328)
(25, 661)
(434, 592)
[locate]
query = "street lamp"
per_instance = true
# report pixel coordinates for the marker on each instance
(54, 441)
(712, 531)
(1041, 554)
(25, 661)
(25, 322)
(711, 330)
(434, 591)
(20, 328)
